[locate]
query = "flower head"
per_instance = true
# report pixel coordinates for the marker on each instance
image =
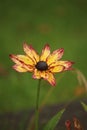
(43, 66)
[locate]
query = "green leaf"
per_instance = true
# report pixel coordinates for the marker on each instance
(84, 106)
(53, 122)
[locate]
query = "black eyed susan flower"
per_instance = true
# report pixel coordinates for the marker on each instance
(43, 66)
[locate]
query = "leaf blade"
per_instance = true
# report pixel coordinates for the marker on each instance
(53, 122)
(84, 106)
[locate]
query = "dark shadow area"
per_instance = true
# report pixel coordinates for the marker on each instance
(21, 120)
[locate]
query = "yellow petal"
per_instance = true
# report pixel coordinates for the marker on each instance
(31, 52)
(58, 68)
(49, 77)
(36, 74)
(22, 59)
(19, 68)
(66, 64)
(44, 74)
(45, 53)
(55, 56)
(23, 68)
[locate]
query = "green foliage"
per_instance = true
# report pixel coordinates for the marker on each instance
(84, 106)
(53, 122)
(61, 24)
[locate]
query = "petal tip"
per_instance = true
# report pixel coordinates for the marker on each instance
(34, 77)
(14, 67)
(25, 45)
(47, 45)
(70, 63)
(53, 83)
(10, 55)
(61, 50)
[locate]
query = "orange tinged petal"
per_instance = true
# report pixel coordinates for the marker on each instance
(23, 68)
(19, 68)
(55, 56)
(58, 68)
(49, 77)
(29, 50)
(22, 59)
(44, 74)
(36, 74)
(66, 64)
(45, 53)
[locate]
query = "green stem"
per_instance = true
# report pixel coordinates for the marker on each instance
(37, 105)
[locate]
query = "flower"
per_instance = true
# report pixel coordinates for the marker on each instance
(43, 66)
(68, 124)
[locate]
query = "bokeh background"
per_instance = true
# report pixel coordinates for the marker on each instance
(61, 23)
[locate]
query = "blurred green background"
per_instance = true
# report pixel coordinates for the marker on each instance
(61, 23)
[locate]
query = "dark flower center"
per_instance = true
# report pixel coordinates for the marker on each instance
(41, 65)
